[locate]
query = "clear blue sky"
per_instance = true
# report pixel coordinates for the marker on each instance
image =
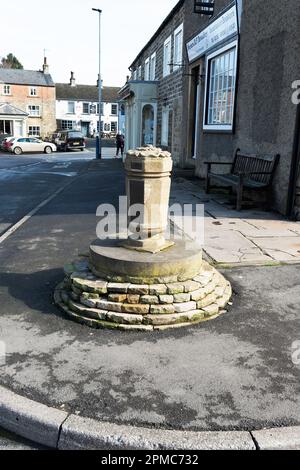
(68, 29)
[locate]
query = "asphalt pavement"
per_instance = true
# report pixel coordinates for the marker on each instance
(233, 373)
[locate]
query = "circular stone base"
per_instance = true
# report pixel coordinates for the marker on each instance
(100, 303)
(111, 260)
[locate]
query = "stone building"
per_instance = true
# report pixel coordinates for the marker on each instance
(232, 87)
(153, 95)
(27, 102)
(77, 107)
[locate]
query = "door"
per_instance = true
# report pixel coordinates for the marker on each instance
(18, 128)
(36, 145)
(148, 125)
(85, 127)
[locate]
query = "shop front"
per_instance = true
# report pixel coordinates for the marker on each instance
(140, 103)
(213, 58)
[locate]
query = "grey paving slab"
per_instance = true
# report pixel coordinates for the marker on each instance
(232, 247)
(281, 248)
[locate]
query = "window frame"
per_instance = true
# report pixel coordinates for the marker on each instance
(167, 66)
(73, 103)
(209, 58)
(176, 58)
(140, 72)
(152, 70)
(38, 108)
(33, 134)
(147, 70)
(31, 89)
(111, 109)
(5, 93)
(88, 105)
(66, 127)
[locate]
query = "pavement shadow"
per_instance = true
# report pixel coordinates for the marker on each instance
(32, 290)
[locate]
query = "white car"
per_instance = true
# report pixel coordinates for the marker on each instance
(30, 144)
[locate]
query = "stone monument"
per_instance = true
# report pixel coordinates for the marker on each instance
(144, 280)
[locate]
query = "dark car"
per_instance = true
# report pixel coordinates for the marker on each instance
(69, 140)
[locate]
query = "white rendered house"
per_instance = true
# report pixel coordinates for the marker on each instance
(77, 108)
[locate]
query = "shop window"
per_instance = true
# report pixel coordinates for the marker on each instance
(34, 131)
(113, 126)
(153, 66)
(220, 88)
(167, 56)
(68, 125)
(33, 110)
(165, 126)
(71, 107)
(178, 42)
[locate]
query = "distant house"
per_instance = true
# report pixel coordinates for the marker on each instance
(27, 102)
(77, 107)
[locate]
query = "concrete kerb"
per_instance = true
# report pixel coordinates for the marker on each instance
(59, 430)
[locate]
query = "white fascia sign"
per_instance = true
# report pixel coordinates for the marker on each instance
(217, 32)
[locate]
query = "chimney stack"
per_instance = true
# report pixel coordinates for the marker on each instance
(45, 66)
(72, 79)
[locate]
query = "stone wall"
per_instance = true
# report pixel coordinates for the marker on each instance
(265, 115)
(269, 64)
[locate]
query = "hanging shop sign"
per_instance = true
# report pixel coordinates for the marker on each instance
(217, 32)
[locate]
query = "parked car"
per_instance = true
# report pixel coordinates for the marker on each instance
(69, 140)
(18, 145)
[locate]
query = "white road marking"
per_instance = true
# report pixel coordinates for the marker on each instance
(24, 219)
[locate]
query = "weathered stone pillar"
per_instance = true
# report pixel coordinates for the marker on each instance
(148, 183)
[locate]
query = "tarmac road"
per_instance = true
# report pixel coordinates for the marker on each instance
(235, 372)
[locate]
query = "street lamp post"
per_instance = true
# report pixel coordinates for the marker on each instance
(98, 143)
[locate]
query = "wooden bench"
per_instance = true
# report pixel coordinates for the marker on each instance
(251, 172)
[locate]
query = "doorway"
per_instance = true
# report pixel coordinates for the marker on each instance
(85, 128)
(148, 125)
(6, 127)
